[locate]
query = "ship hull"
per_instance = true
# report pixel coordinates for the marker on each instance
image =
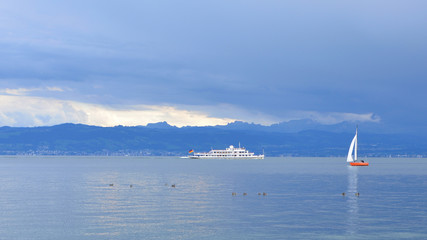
(215, 157)
(359, 164)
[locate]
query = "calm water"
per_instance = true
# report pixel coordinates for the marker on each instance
(71, 198)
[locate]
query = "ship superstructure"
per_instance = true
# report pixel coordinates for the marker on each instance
(229, 153)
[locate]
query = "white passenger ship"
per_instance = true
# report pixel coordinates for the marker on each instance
(229, 153)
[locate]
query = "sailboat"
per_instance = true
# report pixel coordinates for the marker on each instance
(353, 160)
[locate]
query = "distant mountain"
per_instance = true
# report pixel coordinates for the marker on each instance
(284, 139)
(161, 125)
(307, 124)
(296, 126)
(239, 125)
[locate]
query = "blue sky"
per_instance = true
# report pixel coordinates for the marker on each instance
(212, 62)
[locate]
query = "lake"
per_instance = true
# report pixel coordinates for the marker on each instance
(50, 197)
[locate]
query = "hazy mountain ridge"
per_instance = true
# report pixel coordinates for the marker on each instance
(287, 139)
(295, 126)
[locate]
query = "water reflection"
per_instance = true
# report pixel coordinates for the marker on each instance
(150, 205)
(352, 201)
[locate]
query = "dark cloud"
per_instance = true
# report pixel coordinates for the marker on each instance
(271, 57)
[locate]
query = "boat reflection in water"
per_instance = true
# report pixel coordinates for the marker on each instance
(352, 201)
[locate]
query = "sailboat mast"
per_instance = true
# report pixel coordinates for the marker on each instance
(355, 147)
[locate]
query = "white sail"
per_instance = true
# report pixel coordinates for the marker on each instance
(350, 150)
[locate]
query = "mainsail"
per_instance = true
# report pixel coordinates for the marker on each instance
(353, 145)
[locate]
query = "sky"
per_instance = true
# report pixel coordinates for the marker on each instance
(198, 63)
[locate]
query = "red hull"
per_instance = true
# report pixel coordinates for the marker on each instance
(359, 164)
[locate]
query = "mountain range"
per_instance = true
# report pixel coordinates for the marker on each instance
(293, 138)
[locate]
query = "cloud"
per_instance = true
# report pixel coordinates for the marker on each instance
(26, 111)
(17, 91)
(29, 111)
(335, 56)
(55, 89)
(235, 112)
(333, 117)
(26, 91)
